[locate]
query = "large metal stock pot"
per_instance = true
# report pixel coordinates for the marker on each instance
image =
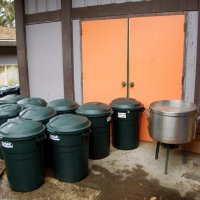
(173, 121)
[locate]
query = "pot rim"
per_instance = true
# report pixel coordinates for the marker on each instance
(173, 108)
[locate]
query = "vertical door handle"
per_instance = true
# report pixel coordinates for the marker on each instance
(132, 84)
(124, 84)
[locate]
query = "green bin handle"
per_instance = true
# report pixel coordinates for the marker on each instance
(41, 138)
(88, 133)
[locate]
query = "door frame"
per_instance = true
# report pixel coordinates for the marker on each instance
(77, 51)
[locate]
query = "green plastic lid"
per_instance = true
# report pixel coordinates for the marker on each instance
(20, 129)
(10, 99)
(94, 109)
(126, 104)
(34, 101)
(37, 113)
(68, 123)
(9, 110)
(63, 105)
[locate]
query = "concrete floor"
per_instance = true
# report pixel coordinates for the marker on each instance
(124, 175)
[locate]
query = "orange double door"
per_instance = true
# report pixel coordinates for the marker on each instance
(156, 50)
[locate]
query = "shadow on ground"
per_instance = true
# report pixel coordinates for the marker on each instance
(126, 184)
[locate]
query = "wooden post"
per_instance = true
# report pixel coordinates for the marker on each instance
(21, 48)
(68, 71)
(197, 79)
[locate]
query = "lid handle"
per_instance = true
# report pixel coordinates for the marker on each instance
(53, 119)
(28, 110)
(8, 122)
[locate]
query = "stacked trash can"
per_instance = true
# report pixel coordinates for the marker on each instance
(69, 135)
(100, 116)
(10, 99)
(33, 101)
(8, 111)
(21, 142)
(63, 106)
(43, 115)
(125, 123)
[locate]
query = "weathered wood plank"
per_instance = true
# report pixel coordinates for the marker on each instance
(68, 71)
(51, 16)
(133, 8)
(21, 48)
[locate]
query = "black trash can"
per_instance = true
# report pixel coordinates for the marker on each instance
(63, 106)
(100, 116)
(125, 123)
(33, 101)
(69, 134)
(8, 111)
(43, 115)
(22, 147)
(10, 99)
(12, 89)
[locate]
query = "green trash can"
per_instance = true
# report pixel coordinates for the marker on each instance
(10, 99)
(43, 115)
(22, 146)
(63, 106)
(100, 116)
(33, 101)
(8, 111)
(69, 134)
(38, 114)
(125, 123)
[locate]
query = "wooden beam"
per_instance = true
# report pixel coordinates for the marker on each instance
(134, 8)
(51, 16)
(21, 48)
(8, 50)
(197, 78)
(68, 71)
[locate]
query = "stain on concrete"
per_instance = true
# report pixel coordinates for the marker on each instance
(51, 190)
(191, 176)
(129, 184)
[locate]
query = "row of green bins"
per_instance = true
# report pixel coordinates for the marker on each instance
(22, 147)
(100, 116)
(69, 135)
(33, 101)
(10, 99)
(43, 115)
(8, 111)
(125, 123)
(64, 106)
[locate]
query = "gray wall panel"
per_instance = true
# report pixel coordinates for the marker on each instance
(51, 5)
(38, 6)
(45, 63)
(190, 55)
(30, 6)
(78, 3)
(77, 61)
(8, 59)
(41, 6)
